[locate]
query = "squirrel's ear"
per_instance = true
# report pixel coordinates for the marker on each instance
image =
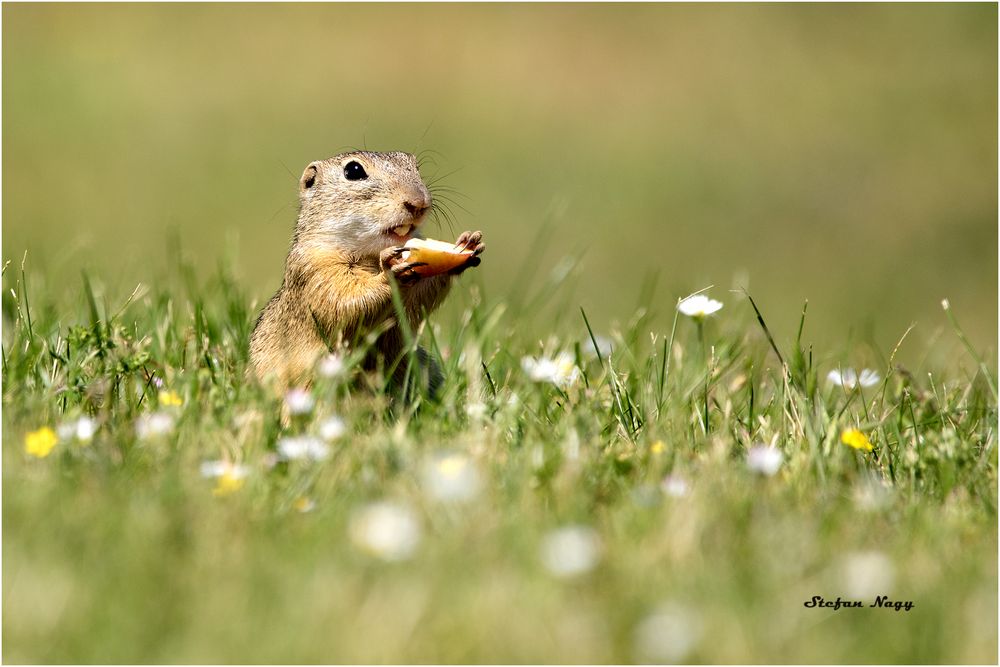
(309, 177)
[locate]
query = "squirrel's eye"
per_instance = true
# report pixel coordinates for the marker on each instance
(353, 171)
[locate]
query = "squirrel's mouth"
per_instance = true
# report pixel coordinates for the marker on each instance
(401, 233)
(403, 228)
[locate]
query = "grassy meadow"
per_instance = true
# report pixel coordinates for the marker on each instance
(604, 478)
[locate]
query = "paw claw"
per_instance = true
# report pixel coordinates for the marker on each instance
(405, 273)
(467, 240)
(388, 257)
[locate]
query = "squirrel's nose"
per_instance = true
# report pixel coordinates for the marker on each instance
(417, 202)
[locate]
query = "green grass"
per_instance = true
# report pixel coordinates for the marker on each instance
(118, 550)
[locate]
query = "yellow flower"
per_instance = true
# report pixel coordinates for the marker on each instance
(303, 504)
(170, 398)
(657, 447)
(228, 483)
(852, 437)
(229, 477)
(40, 443)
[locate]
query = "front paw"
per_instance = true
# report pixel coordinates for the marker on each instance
(470, 241)
(406, 273)
(389, 257)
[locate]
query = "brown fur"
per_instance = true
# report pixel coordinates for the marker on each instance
(338, 278)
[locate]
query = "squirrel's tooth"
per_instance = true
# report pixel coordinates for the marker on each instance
(403, 231)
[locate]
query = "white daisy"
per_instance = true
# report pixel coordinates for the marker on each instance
(154, 424)
(698, 306)
(302, 447)
(668, 635)
(332, 428)
(81, 430)
(451, 477)
(849, 378)
(675, 486)
(331, 366)
(476, 410)
(764, 459)
(230, 477)
(213, 469)
(385, 530)
(304, 505)
(299, 401)
(571, 551)
(865, 574)
(560, 371)
(868, 378)
(85, 429)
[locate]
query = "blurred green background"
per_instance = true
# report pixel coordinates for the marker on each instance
(845, 154)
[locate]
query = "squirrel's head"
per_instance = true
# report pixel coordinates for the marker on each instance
(362, 202)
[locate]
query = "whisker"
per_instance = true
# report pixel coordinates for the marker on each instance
(448, 200)
(453, 191)
(442, 212)
(438, 179)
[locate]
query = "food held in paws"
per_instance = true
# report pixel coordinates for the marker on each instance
(434, 257)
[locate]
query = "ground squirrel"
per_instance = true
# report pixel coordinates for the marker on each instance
(356, 210)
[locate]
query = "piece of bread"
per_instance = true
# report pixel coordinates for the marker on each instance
(436, 257)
